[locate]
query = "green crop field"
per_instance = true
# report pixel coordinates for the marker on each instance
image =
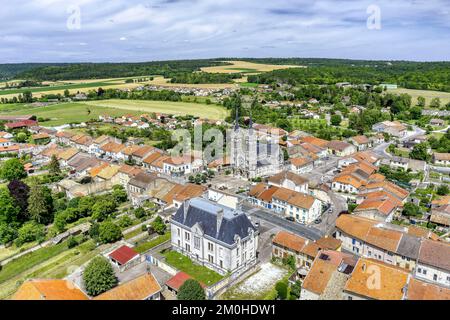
(64, 113)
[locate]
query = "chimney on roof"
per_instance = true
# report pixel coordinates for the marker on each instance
(219, 219)
(185, 208)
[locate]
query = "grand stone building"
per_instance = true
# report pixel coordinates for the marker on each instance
(218, 237)
(252, 157)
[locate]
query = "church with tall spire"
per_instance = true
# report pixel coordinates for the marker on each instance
(250, 157)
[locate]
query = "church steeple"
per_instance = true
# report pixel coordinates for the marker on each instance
(236, 121)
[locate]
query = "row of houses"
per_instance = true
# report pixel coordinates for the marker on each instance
(402, 263)
(288, 195)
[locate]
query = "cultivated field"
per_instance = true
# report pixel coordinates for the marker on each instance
(64, 113)
(427, 94)
(245, 67)
(178, 108)
(161, 81)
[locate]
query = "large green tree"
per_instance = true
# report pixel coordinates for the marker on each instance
(420, 152)
(12, 169)
(53, 167)
(99, 276)
(191, 290)
(109, 232)
(9, 210)
(40, 204)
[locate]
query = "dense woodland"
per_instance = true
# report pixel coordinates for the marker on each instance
(412, 75)
(71, 71)
(204, 77)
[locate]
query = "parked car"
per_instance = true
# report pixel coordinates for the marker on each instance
(290, 219)
(317, 221)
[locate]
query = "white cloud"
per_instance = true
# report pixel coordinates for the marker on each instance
(168, 29)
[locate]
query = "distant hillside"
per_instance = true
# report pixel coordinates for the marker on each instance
(10, 71)
(113, 70)
(411, 75)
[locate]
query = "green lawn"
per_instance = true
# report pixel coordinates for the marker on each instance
(133, 233)
(65, 113)
(198, 272)
(142, 247)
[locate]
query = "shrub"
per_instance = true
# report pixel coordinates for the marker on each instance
(191, 290)
(282, 289)
(72, 242)
(99, 276)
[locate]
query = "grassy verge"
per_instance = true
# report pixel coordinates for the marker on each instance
(143, 247)
(198, 272)
(133, 233)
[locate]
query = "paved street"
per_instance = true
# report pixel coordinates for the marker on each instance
(294, 227)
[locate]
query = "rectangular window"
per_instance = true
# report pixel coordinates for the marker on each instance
(196, 242)
(210, 246)
(210, 258)
(187, 236)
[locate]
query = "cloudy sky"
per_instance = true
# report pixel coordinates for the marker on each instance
(144, 30)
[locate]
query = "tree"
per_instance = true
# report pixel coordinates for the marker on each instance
(7, 233)
(290, 261)
(53, 167)
(20, 191)
(421, 101)
(420, 152)
(12, 169)
(191, 290)
(102, 209)
(296, 288)
(9, 211)
(66, 93)
(435, 103)
(30, 231)
(21, 137)
(99, 276)
(139, 213)
(411, 210)
(442, 190)
(119, 194)
(158, 225)
(109, 232)
(335, 120)
(40, 204)
(282, 290)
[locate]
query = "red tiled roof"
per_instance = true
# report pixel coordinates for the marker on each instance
(177, 280)
(123, 254)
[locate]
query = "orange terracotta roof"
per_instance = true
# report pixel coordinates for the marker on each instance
(315, 141)
(130, 149)
(143, 151)
(329, 243)
(349, 179)
(420, 290)
(354, 225)
(384, 238)
(289, 240)
(112, 147)
(151, 158)
(318, 276)
(49, 289)
(391, 280)
(139, 288)
(311, 249)
(96, 170)
(385, 207)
